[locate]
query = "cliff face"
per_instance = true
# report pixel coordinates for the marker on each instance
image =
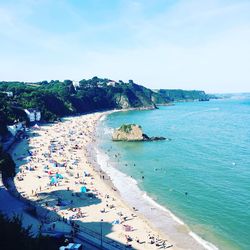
(132, 95)
(130, 132)
(122, 102)
(157, 98)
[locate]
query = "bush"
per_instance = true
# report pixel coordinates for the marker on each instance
(13, 236)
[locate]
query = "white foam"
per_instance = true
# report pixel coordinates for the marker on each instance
(103, 118)
(178, 220)
(117, 177)
(108, 131)
(205, 244)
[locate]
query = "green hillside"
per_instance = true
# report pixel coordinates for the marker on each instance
(56, 99)
(175, 95)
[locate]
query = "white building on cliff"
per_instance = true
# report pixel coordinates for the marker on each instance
(33, 114)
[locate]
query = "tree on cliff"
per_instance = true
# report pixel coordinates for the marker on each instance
(7, 165)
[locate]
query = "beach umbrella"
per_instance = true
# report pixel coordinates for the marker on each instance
(59, 176)
(53, 180)
(83, 189)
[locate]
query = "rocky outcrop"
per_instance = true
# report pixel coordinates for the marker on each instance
(128, 132)
(132, 132)
(153, 138)
(122, 101)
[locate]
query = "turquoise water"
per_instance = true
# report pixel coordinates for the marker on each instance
(202, 174)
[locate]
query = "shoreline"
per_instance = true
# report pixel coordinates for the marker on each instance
(91, 160)
(203, 244)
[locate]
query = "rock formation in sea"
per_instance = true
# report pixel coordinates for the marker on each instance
(133, 132)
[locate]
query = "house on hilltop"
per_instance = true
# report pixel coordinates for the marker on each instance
(112, 83)
(76, 84)
(8, 93)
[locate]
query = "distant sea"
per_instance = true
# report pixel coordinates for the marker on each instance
(202, 174)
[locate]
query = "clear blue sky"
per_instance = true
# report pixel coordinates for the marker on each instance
(189, 44)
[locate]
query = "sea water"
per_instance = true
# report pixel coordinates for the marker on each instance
(202, 175)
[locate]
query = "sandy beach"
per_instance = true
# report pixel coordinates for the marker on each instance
(56, 173)
(59, 174)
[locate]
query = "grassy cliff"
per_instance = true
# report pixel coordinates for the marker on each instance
(56, 99)
(60, 98)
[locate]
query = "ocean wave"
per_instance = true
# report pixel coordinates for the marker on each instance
(115, 175)
(207, 245)
(119, 179)
(154, 203)
(103, 118)
(204, 243)
(108, 131)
